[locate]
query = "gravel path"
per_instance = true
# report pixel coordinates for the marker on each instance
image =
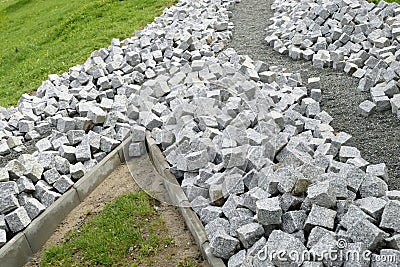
(377, 137)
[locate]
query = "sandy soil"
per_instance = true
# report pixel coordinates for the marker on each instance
(118, 183)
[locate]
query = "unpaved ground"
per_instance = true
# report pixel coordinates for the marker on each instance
(118, 183)
(377, 137)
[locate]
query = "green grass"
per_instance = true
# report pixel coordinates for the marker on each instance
(126, 233)
(40, 37)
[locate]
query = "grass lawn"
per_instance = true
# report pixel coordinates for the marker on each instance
(40, 37)
(128, 232)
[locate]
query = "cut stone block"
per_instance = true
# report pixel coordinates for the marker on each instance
(232, 184)
(65, 124)
(372, 206)
(347, 152)
(33, 207)
(234, 157)
(137, 149)
(25, 185)
(4, 176)
(236, 260)
(223, 245)
(353, 215)
(322, 194)
(138, 133)
(281, 241)
(210, 213)
(269, 211)
(8, 203)
(390, 216)
(248, 234)
(108, 144)
(366, 108)
(15, 169)
(4, 148)
(63, 184)
(52, 175)
(320, 216)
(96, 115)
(293, 221)
(378, 170)
(373, 186)
(17, 220)
(366, 232)
(3, 238)
(77, 171)
(217, 225)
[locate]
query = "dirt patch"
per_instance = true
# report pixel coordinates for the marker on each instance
(118, 183)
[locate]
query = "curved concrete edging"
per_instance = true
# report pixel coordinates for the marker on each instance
(178, 196)
(21, 247)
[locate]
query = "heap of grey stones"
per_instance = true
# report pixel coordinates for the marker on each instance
(118, 92)
(357, 37)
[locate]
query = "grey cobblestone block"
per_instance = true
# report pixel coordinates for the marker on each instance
(4, 176)
(25, 126)
(68, 152)
(215, 193)
(320, 216)
(49, 197)
(322, 194)
(43, 145)
(389, 216)
(232, 184)
(17, 220)
(62, 165)
(223, 245)
(15, 169)
(210, 213)
(25, 185)
(281, 241)
(8, 203)
(269, 211)
(33, 207)
(14, 141)
(51, 175)
(372, 206)
(63, 184)
(65, 124)
(108, 144)
(378, 170)
(3, 237)
(382, 103)
(4, 148)
(75, 136)
(96, 115)
(137, 149)
(236, 260)
(366, 108)
(252, 196)
(248, 234)
(367, 233)
(316, 234)
(77, 170)
(234, 157)
(352, 215)
(373, 186)
(217, 225)
(293, 221)
(347, 152)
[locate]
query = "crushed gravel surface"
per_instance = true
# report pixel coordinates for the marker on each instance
(377, 136)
